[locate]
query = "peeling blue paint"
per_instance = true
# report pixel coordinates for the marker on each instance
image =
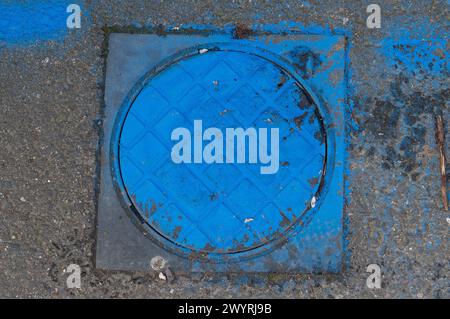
(427, 56)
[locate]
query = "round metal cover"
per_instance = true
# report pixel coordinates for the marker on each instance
(223, 206)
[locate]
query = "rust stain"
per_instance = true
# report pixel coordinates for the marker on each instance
(318, 135)
(312, 118)
(242, 31)
(284, 163)
(313, 181)
(153, 208)
(336, 48)
(148, 211)
(440, 53)
(208, 247)
(285, 222)
(335, 76)
(298, 120)
(176, 232)
(195, 255)
(282, 80)
(305, 101)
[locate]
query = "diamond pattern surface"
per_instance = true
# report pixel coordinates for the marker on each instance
(220, 207)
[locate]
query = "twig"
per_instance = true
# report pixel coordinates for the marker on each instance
(440, 140)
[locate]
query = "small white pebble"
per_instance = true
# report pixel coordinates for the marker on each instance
(201, 51)
(162, 276)
(22, 199)
(448, 221)
(313, 202)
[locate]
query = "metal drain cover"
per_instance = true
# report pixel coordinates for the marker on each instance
(248, 159)
(223, 154)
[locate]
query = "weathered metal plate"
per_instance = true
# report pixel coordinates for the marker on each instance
(221, 205)
(217, 216)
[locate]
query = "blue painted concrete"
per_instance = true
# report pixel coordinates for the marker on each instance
(24, 22)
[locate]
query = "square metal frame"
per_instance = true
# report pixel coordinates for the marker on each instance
(319, 247)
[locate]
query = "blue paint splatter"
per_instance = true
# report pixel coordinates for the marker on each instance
(413, 55)
(26, 22)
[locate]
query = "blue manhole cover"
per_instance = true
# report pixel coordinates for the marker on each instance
(220, 149)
